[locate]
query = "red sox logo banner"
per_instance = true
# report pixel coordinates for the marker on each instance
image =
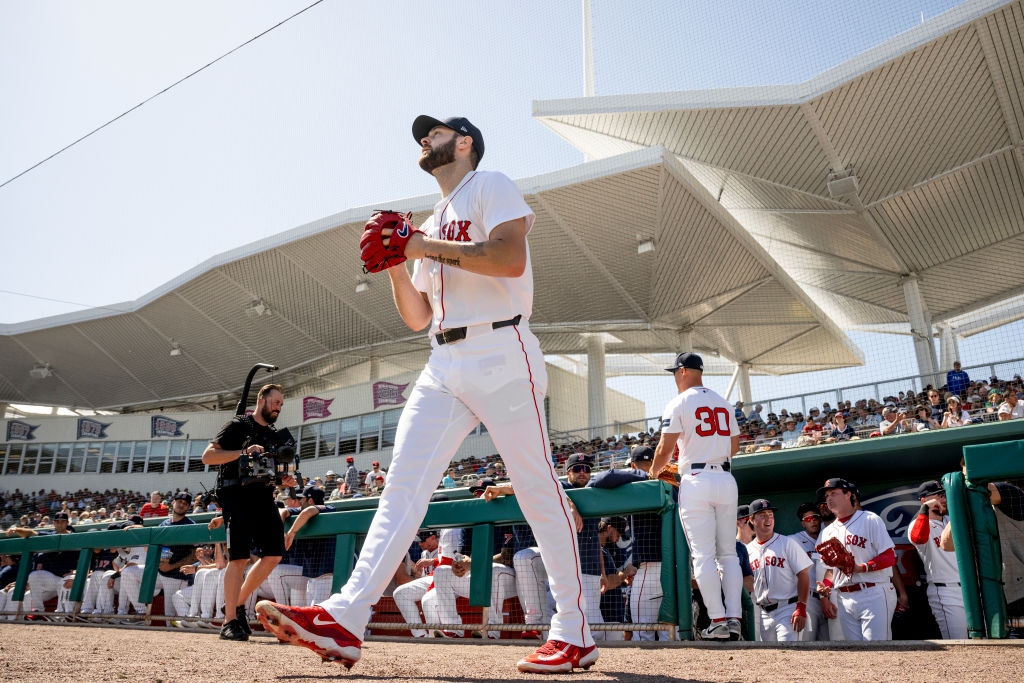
(897, 507)
(388, 394)
(165, 426)
(316, 407)
(20, 431)
(91, 429)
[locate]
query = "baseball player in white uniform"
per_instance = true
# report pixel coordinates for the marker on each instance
(472, 284)
(944, 595)
(437, 548)
(781, 577)
(816, 627)
(864, 609)
(703, 426)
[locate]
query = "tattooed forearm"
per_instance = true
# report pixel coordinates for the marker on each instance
(444, 260)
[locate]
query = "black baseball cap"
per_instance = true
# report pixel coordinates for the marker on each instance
(481, 485)
(836, 483)
(641, 454)
(742, 512)
(930, 488)
(183, 495)
(579, 458)
(423, 534)
(423, 124)
(760, 505)
(805, 508)
(61, 515)
(687, 359)
(315, 493)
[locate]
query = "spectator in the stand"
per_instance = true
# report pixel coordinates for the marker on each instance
(1011, 408)
(994, 400)
(351, 477)
(155, 507)
(372, 475)
(957, 380)
(892, 422)
(955, 415)
(840, 430)
(790, 435)
(741, 417)
(448, 481)
(755, 414)
(935, 407)
(866, 419)
(924, 421)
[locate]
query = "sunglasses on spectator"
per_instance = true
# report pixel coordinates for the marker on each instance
(579, 468)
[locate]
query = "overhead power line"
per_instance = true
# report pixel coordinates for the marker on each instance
(155, 95)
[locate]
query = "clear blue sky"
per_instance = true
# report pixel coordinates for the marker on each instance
(314, 117)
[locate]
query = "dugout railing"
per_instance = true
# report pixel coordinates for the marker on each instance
(348, 525)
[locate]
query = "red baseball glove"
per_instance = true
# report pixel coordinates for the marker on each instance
(834, 554)
(377, 255)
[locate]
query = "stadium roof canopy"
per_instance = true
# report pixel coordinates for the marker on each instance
(922, 136)
(293, 299)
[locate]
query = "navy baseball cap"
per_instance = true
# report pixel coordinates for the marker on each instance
(742, 512)
(423, 124)
(618, 522)
(806, 509)
(688, 359)
(760, 505)
(836, 483)
(61, 515)
(315, 493)
(641, 454)
(930, 488)
(579, 458)
(423, 534)
(183, 495)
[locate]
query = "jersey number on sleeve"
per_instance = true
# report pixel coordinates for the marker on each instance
(717, 421)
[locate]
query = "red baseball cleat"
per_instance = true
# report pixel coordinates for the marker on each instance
(555, 657)
(310, 627)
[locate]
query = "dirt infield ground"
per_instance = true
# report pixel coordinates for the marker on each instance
(82, 653)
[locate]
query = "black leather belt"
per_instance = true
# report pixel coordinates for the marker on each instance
(771, 607)
(454, 334)
(701, 465)
(816, 594)
(943, 585)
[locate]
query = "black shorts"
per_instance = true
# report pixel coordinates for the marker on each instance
(253, 522)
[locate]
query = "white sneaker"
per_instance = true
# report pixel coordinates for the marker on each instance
(735, 628)
(718, 630)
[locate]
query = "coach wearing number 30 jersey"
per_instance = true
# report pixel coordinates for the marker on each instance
(702, 424)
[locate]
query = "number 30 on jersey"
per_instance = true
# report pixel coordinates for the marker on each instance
(712, 421)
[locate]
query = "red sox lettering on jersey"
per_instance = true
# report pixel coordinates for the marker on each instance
(855, 540)
(864, 534)
(455, 231)
(771, 561)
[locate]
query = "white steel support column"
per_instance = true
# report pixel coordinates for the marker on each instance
(597, 414)
(919, 328)
(732, 383)
(744, 379)
(949, 347)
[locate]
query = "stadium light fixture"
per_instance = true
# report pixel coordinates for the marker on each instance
(362, 286)
(645, 246)
(41, 370)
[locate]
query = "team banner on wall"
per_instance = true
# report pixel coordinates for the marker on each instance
(20, 431)
(897, 507)
(314, 407)
(91, 429)
(388, 394)
(165, 426)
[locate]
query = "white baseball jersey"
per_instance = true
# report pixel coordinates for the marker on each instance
(1014, 412)
(137, 555)
(940, 565)
(481, 202)
(775, 564)
(449, 544)
(705, 423)
(807, 542)
(863, 534)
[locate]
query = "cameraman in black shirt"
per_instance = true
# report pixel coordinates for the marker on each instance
(249, 509)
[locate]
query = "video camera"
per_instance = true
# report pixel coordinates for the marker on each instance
(267, 468)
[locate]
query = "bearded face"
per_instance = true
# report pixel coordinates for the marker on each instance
(435, 157)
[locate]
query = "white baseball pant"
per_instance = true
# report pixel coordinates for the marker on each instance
(777, 626)
(274, 587)
(497, 377)
(592, 593)
(131, 583)
(865, 614)
(408, 594)
(97, 594)
(105, 595)
(319, 589)
(43, 585)
(532, 585)
(835, 627)
(947, 605)
(450, 587)
(206, 587)
(295, 588)
(816, 627)
(169, 586)
(707, 509)
(645, 597)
